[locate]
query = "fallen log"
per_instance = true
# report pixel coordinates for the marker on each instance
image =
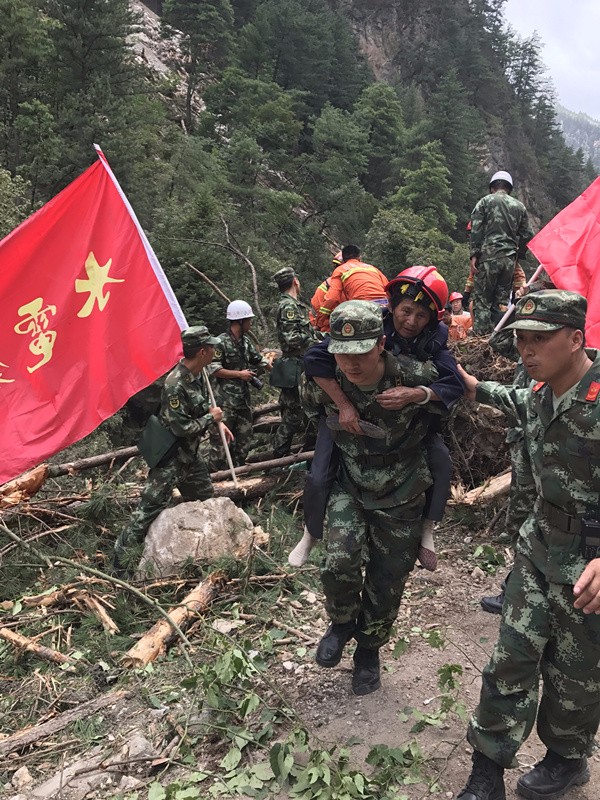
(496, 487)
(154, 642)
(247, 489)
(23, 643)
(54, 470)
(30, 735)
(262, 466)
(259, 411)
(266, 424)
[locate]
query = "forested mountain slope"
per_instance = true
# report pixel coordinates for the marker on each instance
(581, 131)
(281, 128)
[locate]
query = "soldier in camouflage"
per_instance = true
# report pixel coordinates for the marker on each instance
(235, 366)
(377, 498)
(295, 335)
(522, 493)
(499, 234)
(550, 625)
(187, 414)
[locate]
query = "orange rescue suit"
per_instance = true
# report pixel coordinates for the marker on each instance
(352, 280)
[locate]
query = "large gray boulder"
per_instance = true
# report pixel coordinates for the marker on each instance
(200, 531)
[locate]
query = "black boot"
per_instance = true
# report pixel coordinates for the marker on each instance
(493, 604)
(331, 646)
(365, 678)
(486, 781)
(553, 776)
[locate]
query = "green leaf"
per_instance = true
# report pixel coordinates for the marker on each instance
(155, 701)
(400, 647)
(190, 793)
(232, 759)
(17, 606)
(156, 792)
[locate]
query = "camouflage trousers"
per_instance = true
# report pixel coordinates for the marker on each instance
(541, 634)
(239, 421)
(522, 493)
(192, 480)
(293, 420)
(492, 286)
(390, 539)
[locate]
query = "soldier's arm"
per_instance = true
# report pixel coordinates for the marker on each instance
(256, 359)
(319, 365)
(477, 229)
(293, 331)
(178, 415)
(510, 399)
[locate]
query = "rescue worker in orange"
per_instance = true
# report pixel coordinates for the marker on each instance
(461, 321)
(352, 280)
(316, 300)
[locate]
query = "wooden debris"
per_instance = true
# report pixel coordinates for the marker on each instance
(154, 642)
(94, 605)
(262, 466)
(23, 643)
(71, 467)
(24, 487)
(266, 424)
(491, 490)
(30, 735)
(247, 489)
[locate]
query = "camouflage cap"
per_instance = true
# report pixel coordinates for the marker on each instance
(550, 310)
(284, 276)
(355, 327)
(198, 336)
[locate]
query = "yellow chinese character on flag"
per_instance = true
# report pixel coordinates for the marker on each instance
(36, 324)
(97, 278)
(5, 380)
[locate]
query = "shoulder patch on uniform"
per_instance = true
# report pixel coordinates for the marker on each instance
(290, 313)
(538, 386)
(218, 354)
(593, 391)
(174, 401)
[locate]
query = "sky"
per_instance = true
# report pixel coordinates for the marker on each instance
(569, 33)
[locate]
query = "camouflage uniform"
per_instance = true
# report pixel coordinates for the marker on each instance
(232, 395)
(541, 632)
(499, 233)
(184, 412)
(376, 502)
(521, 496)
(295, 335)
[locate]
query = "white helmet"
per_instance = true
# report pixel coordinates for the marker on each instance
(239, 309)
(502, 176)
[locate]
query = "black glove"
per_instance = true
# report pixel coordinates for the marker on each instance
(465, 300)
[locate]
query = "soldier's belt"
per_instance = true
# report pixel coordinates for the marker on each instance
(559, 519)
(377, 459)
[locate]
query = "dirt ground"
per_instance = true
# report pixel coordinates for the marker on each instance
(448, 601)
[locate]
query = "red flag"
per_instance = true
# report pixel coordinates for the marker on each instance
(569, 250)
(88, 319)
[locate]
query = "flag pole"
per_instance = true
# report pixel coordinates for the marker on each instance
(511, 307)
(211, 397)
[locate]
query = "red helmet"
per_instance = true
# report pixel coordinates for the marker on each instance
(455, 296)
(337, 259)
(422, 284)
